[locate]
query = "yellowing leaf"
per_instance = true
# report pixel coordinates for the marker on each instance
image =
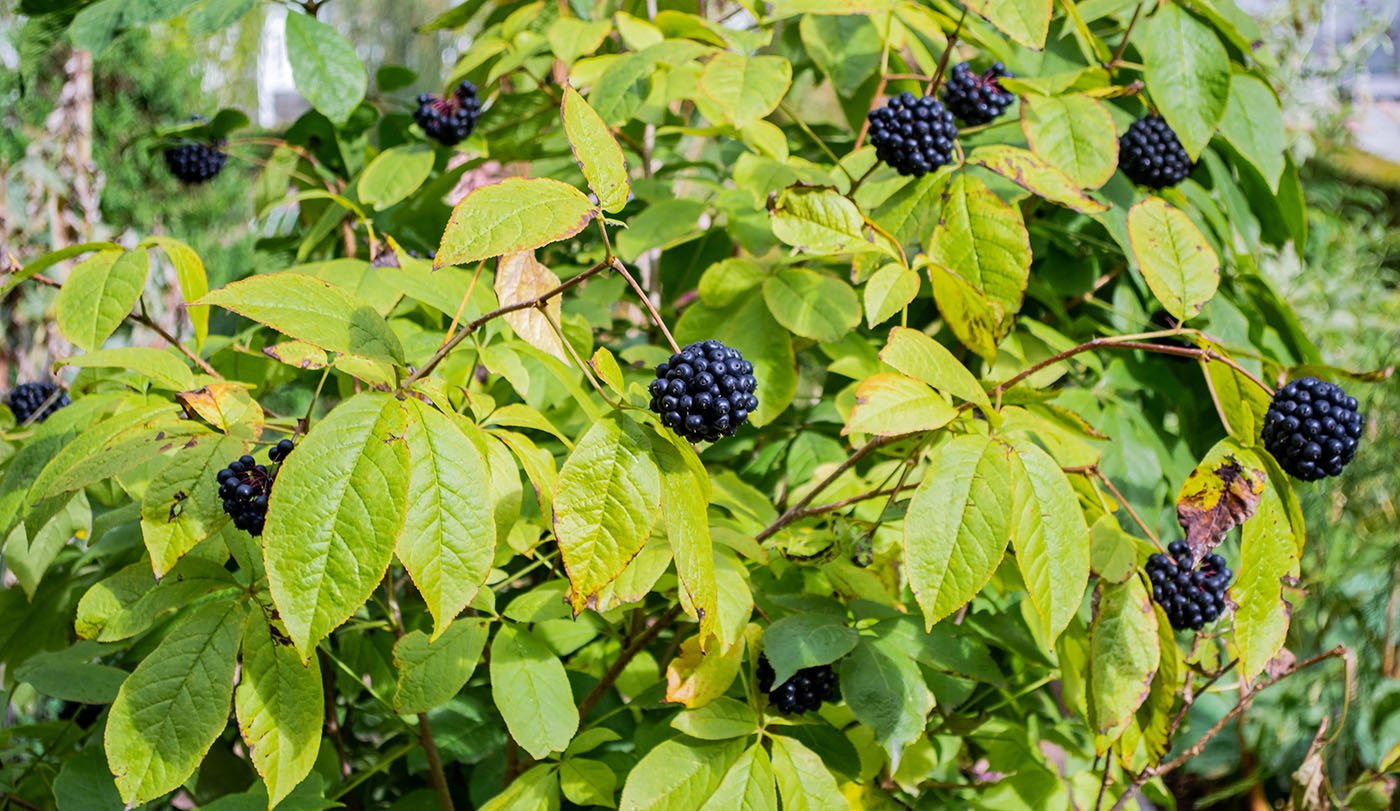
(1033, 173)
(226, 406)
(521, 277)
(746, 88)
(1124, 653)
(695, 678)
(1174, 257)
(596, 151)
(890, 404)
(984, 241)
(516, 214)
(1025, 21)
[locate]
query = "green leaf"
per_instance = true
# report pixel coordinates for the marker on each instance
(571, 38)
(516, 214)
(431, 672)
(1124, 653)
(52, 258)
(164, 367)
(1187, 74)
(181, 506)
(846, 47)
(747, 786)
(1242, 403)
(68, 675)
(395, 174)
(98, 294)
(324, 67)
(1113, 553)
(685, 490)
(746, 88)
(623, 87)
(678, 774)
(921, 357)
(1253, 124)
(1174, 257)
(885, 689)
(532, 692)
(887, 292)
(890, 405)
(910, 213)
(606, 501)
(194, 281)
(1050, 537)
(806, 640)
(1025, 21)
(111, 446)
(331, 522)
(85, 782)
(819, 220)
(535, 790)
(1074, 133)
(596, 151)
(1268, 556)
(588, 782)
(967, 311)
(984, 240)
(448, 539)
(719, 720)
(174, 705)
(1031, 172)
(811, 304)
(959, 523)
(748, 326)
(803, 780)
(280, 704)
(314, 311)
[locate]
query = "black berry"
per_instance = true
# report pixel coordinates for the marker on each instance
(1312, 428)
(26, 399)
(244, 486)
(1191, 596)
(977, 99)
(452, 119)
(913, 135)
(806, 690)
(704, 391)
(1150, 154)
(195, 162)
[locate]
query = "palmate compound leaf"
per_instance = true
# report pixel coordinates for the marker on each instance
(171, 709)
(448, 539)
(959, 523)
(334, 514)
(280, 704)
(605, 503)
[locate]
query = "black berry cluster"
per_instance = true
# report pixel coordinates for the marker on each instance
(194, 162)
(703, 391)
(806, 690)
(1312, 428)
(27, 398)
(1150, 154)
(976, 99)
(244, 486)
(451, 119)
(914, 135)
(1190, 596)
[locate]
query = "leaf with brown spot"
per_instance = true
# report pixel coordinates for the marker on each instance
(226, 406)
(1219, 495)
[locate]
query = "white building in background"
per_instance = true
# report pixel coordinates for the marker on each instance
(279, 103)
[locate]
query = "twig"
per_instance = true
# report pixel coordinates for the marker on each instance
(1123, 46)
(846, 502)
(947, 52)
(628, 654)
(473, 326)
(435, 773)
(802, 125)
(1157, 542)
(1103, 784)
(646, 302)
(795, 511)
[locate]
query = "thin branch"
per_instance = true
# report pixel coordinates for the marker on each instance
(1127, 35)
(846, 502)
(646, 302)
(796, 511)
(1157, 542)
(12, 799)
(628, 654)
(947, 52)
(461, 308)
(435, 772)
(473, 326)
(1103, 784)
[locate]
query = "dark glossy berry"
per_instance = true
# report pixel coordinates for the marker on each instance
(1312, 428)
(194, 162)
(27, 399)
(1150, 154)
(1191, 595)
(806, 690)
(977, 99)
(704, 405)
(913, 135)
(245, 485)
(452, 119)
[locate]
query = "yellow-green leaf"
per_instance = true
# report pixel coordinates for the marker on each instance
(746, 88)
(1187, 74)
(1124, 653)
(596, 151)
(280, 703)
(1033, 173)
(921, 357)
(811, 304)
(394, 174)
(1179, 265)
(531, 690)
(1050, 537)
(431, 672)
(984, 241)
(165, 368)
(1074, 133)
(194, 281)
(890, 404)
(1025, 21)
(516, 214)
(98, 294)
(1268, 556)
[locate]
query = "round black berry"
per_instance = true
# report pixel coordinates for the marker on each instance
(1312, 428)
(1150, 154)
(452, 119)
(27, 399)
(1191, 595)
(704, 391)
(806, 690)
(195, 162)
(913, 135)
(977, 99)
(244, 487)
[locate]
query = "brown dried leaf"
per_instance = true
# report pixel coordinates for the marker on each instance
(521, 277)
(1220, 494)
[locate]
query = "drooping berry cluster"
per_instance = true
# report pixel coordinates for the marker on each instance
(806, 690)
(977, 99)
(704, 391)
(244, 486)
(452, 119)
(1150, 154)
(1190, 596)
(1312, 428)
(914, 135)
(193, 162)
(27, 398)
